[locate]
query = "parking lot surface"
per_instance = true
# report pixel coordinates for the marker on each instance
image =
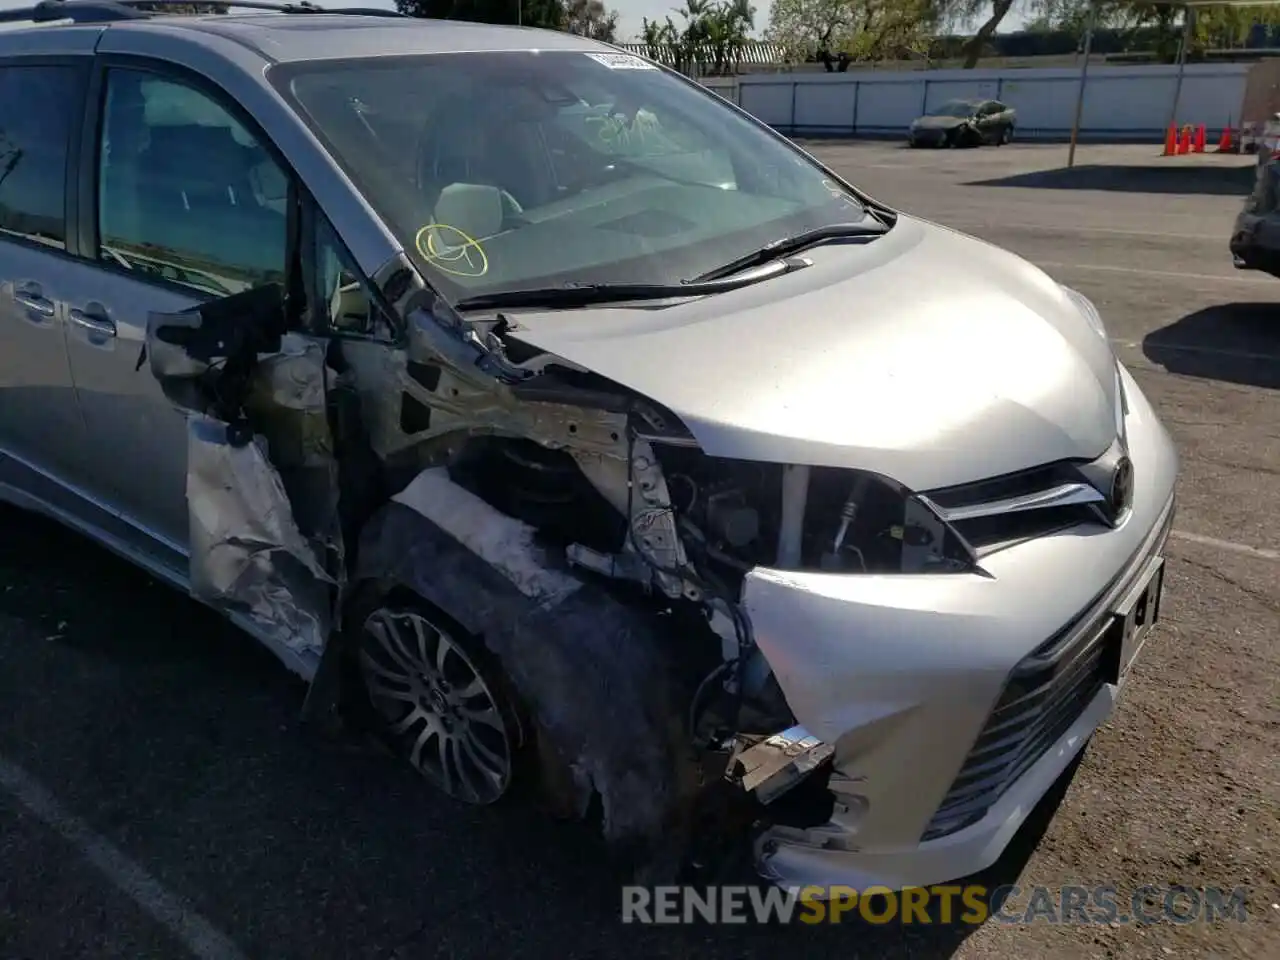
(159, 799)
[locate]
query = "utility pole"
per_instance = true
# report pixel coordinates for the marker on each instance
(1084, 79)
(1188, 19)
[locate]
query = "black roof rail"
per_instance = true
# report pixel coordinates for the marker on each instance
(107, 11)
(301, 6)
(88, 11)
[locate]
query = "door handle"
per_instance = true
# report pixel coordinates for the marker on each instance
(94, 319)
(35, 301)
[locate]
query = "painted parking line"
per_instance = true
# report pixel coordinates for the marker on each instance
(199, 936)
(1056, 230)
(1229, 545)
(1143, 271)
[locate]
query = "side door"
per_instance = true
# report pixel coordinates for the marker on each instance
(1003, 116)
(41, 431)
(182, 202)
(987, 121)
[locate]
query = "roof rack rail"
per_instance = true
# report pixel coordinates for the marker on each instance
(107, 11)
(89, 11)
(301, 6)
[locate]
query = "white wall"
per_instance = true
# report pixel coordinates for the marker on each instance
(1122, 103)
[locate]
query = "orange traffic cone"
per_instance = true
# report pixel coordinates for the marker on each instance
(1184, 143)
(1199, 144)
(1224, 144)
(1170, 142)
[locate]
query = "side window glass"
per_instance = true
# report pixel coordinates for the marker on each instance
(37, 107)
(345, 302)
(185, 192)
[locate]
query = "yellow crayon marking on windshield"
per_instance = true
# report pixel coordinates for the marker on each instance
(452, 250)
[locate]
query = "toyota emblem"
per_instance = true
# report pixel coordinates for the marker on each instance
(1121, 498)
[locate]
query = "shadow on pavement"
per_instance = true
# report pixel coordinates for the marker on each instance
(1232, 181)
(1232, 342)
(175, 737)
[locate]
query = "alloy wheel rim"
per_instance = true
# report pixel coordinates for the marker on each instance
(437, 706)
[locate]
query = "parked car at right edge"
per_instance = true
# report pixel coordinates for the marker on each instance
(1255, 237)
(964, 123)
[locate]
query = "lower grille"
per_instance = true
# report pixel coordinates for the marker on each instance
(1046, 692)
(1039, 703)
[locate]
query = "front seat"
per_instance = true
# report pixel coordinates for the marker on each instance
(475, 209)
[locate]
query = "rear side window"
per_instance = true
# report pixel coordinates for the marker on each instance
(185, 192)
(38, 104)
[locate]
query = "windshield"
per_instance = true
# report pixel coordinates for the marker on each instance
(514, 170)
(954, 108)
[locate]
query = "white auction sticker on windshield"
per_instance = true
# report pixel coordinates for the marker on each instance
(622, 61)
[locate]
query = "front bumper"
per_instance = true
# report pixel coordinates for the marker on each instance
(901, 674)
(927, 137)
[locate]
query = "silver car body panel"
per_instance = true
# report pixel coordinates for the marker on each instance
(127, 418)
(928, 357)
(856, 362)
(894, 667)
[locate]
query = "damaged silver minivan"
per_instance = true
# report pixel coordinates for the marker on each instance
(566, 426)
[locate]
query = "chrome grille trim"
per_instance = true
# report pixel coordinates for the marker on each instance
(1061, 495)
(998, 512)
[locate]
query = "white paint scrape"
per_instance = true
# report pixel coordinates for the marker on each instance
(506, 544)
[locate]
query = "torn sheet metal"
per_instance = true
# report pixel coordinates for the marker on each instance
(449, 374)
(247, 553)
(262, 489)
(597, 676)
(287, 406)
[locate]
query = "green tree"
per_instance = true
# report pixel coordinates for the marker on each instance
(1222, 26)
(709, 41)
(590, 18)
(852, 29)
(531, 13)
(987, 14)
(657, 34)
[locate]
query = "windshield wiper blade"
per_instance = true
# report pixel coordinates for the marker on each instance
(587, 294)
(786, 246)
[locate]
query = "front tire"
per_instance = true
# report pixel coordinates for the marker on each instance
(1006, 136)
(437, 698)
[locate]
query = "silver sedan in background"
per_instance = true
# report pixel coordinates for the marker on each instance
(964, 123)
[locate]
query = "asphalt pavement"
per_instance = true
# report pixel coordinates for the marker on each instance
(158, 797)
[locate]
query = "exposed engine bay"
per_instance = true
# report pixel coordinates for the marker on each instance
(575, 527)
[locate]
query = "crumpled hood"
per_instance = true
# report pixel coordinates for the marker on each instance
(939, 123)
(925, 355)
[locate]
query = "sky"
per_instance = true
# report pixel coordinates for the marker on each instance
(631, 13)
